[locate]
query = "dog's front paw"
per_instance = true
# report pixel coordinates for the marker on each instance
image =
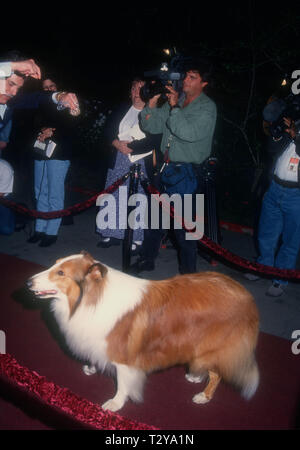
(200, 398)
(112, 405)
(89, 370)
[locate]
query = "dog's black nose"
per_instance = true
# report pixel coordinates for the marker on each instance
(29, 283)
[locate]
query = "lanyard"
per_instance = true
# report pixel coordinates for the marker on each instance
(166, 154)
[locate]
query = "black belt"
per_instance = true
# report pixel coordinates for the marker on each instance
(287, 184)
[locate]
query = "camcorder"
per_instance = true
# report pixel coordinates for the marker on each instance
(170, 74)
(277, 110)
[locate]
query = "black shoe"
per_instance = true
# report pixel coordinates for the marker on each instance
(106, 244)
(142, 265)
(36, 237)
(48, 240)
(135, 249)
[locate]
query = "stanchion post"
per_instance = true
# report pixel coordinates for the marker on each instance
(213, 231)
(134, 179)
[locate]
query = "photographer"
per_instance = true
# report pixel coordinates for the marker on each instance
(280, 213)
(187, 125)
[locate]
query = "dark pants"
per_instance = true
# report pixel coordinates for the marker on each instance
(187, 249)
(7, 220)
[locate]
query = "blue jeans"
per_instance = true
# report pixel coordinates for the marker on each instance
(7, 220)
(49, 188)
(280, 217)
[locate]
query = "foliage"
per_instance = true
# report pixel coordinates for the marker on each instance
(94, 115)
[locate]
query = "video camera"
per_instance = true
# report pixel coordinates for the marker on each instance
(275, 112)
(168, 74)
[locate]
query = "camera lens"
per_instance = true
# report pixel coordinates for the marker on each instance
(152, 88)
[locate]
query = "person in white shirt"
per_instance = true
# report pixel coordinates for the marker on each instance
(7, 216)
(125, 139)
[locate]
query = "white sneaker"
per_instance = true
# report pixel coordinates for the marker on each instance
(275, 290)
(251, 276)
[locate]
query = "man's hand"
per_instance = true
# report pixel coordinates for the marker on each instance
(69, 100)
(173, 96)
(3, 145)
(28, 68)
(122, 146)
(45, 134)
(153, 101)
(291, 128)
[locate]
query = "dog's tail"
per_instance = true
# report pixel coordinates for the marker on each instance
(242, 371)
(237, 364)
(248, 379)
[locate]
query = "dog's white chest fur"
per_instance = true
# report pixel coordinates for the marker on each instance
(86, 331)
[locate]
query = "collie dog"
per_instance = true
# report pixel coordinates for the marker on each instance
(205, 321)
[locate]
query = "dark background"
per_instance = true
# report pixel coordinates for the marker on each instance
(94, 45)
(95, 49)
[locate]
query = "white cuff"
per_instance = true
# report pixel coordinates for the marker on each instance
(5, 70)
(54, 98)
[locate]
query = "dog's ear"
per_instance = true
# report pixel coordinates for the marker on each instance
(93, 283)
(97, 271)
(87, 255)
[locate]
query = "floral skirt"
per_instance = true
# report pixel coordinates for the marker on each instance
(122, 166)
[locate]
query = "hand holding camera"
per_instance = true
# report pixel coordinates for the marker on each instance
(172, 96)
(291, 127)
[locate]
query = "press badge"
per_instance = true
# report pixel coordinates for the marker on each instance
(293, 165)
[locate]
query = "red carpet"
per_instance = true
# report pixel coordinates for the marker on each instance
(33, 340)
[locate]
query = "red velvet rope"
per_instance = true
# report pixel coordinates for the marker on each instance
(231, 257)
(78, 207)
(65, 400)
(211, 245)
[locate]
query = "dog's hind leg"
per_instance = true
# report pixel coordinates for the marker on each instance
(208, 393)
(130, 383)
(197, 371)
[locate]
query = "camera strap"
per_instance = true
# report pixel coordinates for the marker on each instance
(166, 154)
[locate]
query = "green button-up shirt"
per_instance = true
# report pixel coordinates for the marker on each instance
(188, 131)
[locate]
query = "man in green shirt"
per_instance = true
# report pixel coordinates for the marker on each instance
(187, 125)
